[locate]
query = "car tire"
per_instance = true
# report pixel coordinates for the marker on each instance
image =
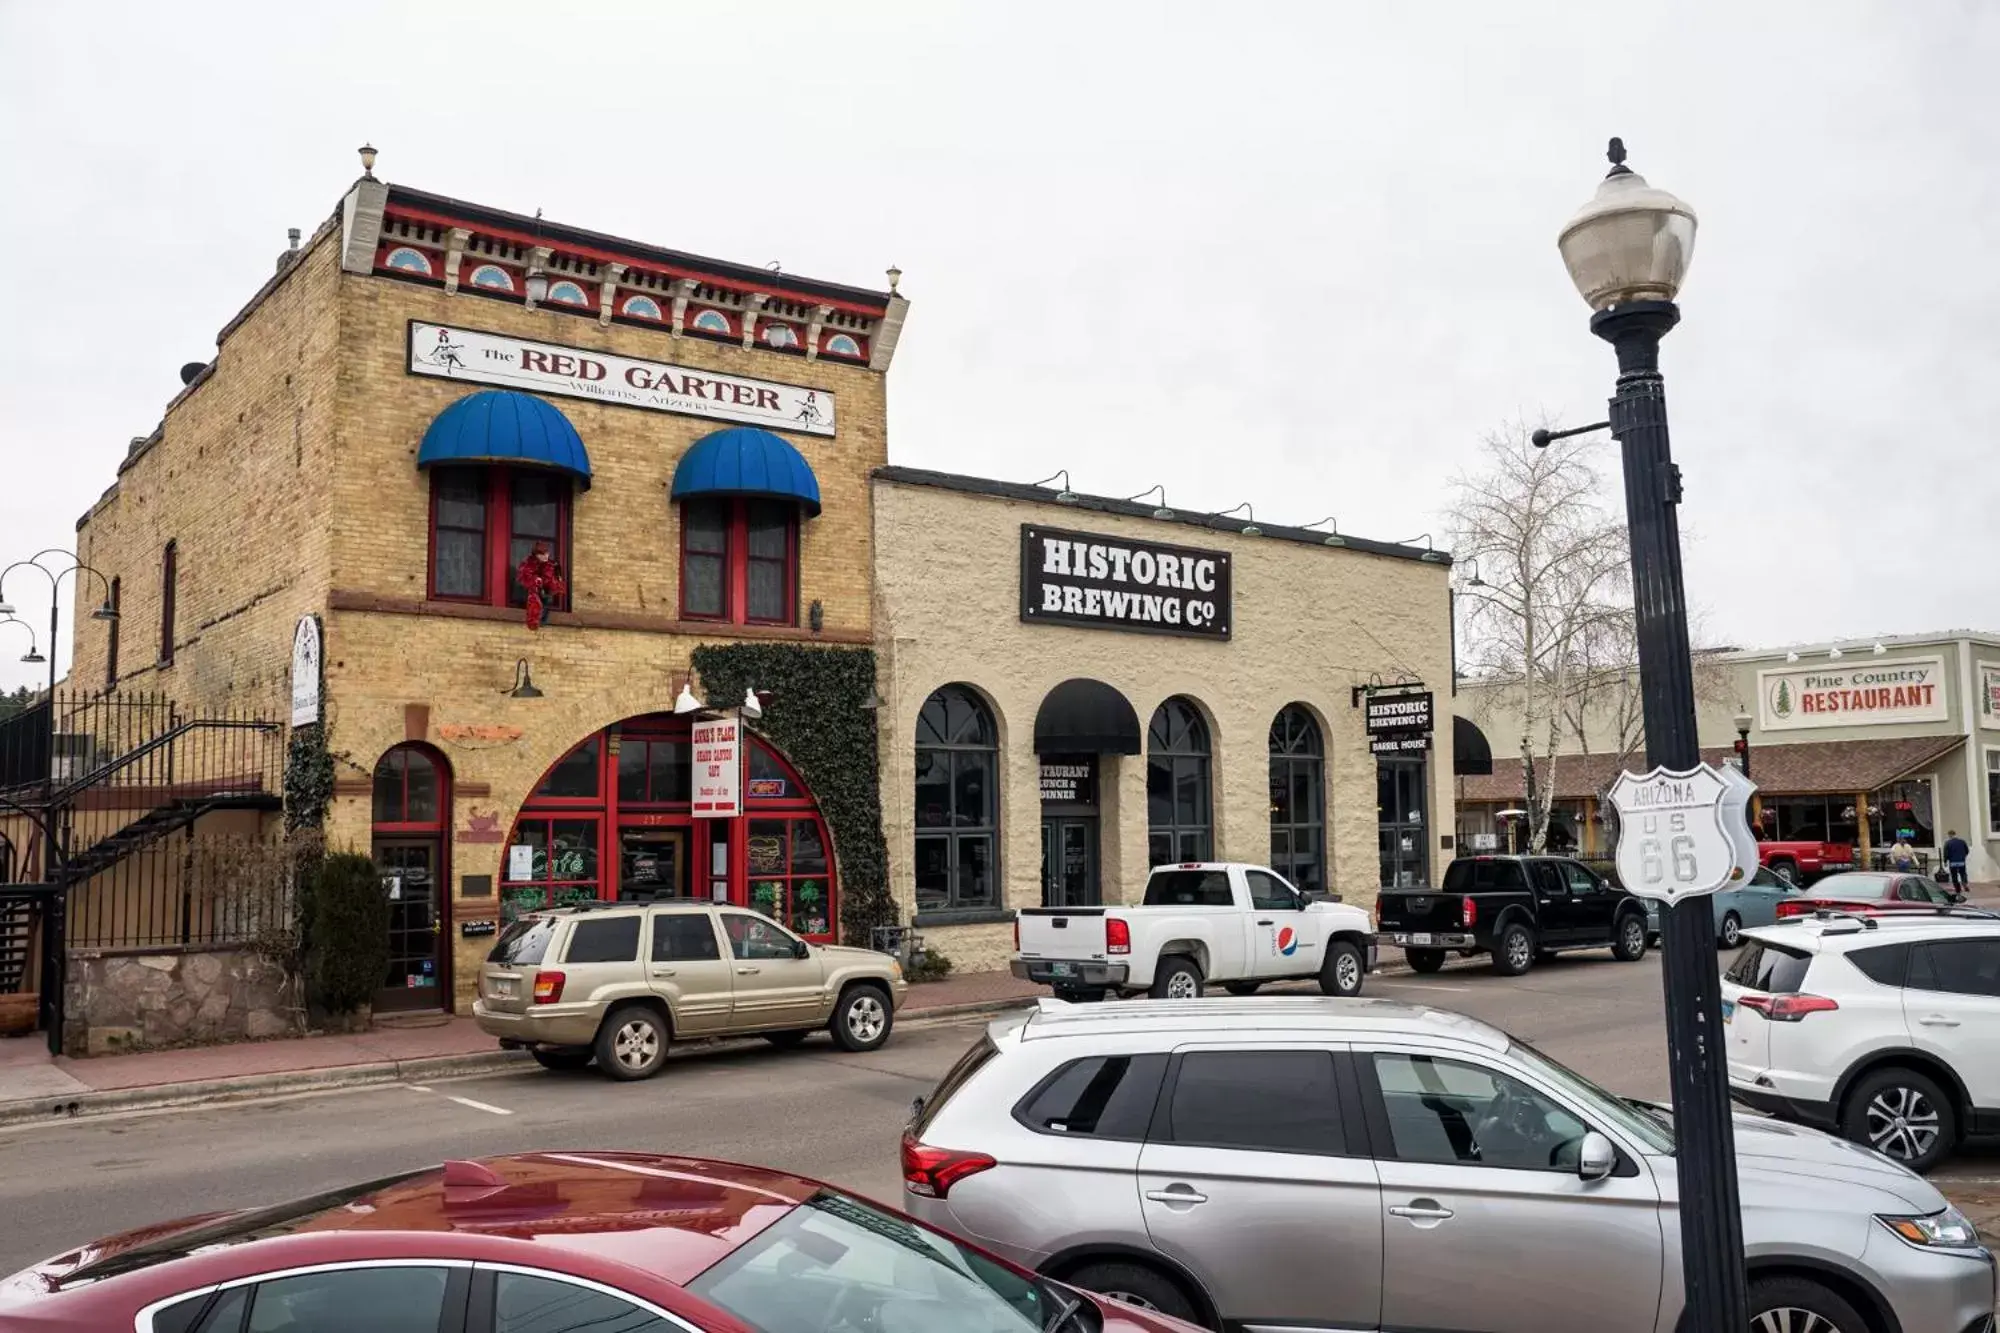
(1628, 938)
(1136, 1284)
(1242, 987)
(862, 1018)
(1902, 1114)
(1342, 971)
(1731, 934)
(564, 1057)
(784, 1041)
(1514, 950)
(1771, 1298)
(1788, 871)
(1176, 978)
(1424, 961)
(632, 1043)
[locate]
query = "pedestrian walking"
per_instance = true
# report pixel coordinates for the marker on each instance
(1903, 856)
(1955, 854)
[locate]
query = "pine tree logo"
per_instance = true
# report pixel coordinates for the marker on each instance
(1781, 702)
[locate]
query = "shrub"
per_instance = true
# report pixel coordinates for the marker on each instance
(349, 950)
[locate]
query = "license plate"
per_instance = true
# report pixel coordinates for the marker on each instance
(1062, 969)
(1728, 1010)
(503, 986)
(1420, 939)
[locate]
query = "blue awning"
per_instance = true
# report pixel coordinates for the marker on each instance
(500, 426)
(746, 461)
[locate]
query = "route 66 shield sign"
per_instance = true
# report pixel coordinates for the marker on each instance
(1682, 834)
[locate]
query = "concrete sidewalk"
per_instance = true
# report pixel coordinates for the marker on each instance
(36, 1086)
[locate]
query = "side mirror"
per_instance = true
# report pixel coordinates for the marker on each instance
(800, 949)
(1597, 1158)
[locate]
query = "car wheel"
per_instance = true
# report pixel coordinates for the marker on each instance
(1629, 943)
(1176, 979)
(1341, 972)
(862, 1019)
(1903, 1115)
(565, 1057)
(1797, 1305)
(632, 1044)
(1425, 961)
(1514, 951)
(1242, 987)
(784, 1041)
(1732, 931)
(1788, 871)
(1135, 1284)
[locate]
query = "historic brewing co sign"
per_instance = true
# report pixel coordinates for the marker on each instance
(1100, 582)
(574, 372)
(1399, 723)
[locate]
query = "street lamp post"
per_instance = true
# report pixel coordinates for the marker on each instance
(1743, 722)
(1627, 251)
(108, 611)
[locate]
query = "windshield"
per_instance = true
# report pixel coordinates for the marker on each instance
(1598, 1103)
(835, 1263)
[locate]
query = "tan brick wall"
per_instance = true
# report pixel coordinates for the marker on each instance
(1311, 622)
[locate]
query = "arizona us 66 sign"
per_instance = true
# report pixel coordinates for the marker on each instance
(1678, 832)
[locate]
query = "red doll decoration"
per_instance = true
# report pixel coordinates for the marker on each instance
(543, 578)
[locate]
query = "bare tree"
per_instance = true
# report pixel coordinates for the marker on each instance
(1550, 609)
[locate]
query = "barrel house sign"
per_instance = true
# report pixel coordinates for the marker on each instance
(1095, 581)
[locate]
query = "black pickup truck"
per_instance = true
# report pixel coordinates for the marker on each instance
(1517, 908)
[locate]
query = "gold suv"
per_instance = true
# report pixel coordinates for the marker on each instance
(618, 983)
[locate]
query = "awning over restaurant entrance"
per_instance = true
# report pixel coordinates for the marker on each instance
(1471, 752)
(1084, 716)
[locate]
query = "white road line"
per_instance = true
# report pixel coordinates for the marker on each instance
(1418, 985)
(487, 1107)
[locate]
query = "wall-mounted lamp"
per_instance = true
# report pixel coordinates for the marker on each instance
(538, 285)
(1475, 581)
(687, 703)
(1065, 496)
(1791, 657)
(1431, 553)
(1162, 511)
(1879, 649)
(873, 703)
(753, 707)
(1333, 537)
(524, 685)
(1249, 528)
(1834, 654)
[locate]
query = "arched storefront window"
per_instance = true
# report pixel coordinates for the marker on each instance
(957, 807)
(412, 806)
(612, 820)
(1298, 799)
(1179, 807)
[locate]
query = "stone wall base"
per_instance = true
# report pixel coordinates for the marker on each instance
(115, 1002)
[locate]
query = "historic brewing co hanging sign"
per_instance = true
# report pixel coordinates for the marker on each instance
(1399, 723)
(1099, 582)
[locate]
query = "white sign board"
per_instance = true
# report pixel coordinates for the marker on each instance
(577, 372)
(1683, 834)
(305, 672)
(718, 767)
(521, 861)
(1833, 694)
(1989, 695)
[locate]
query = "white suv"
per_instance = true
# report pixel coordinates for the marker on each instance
(1885, 1029)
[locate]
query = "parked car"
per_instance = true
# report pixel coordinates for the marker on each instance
(1867, 891)
(1801, 861)
(1518, 908)
(1201, 922)
(617, 983)
(555, 1243)
(1755, 902)
(1297, 1162)
(1883, 1028)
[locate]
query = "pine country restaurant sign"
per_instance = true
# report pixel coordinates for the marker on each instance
(1871, 694)
(446, 352)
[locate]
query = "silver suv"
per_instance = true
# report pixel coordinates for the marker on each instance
(1305, 1163)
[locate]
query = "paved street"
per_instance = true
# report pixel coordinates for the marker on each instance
(814, 1110)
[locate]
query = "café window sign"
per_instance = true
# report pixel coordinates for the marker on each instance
(1835, 695)
(1094, 581)
(1399, 723)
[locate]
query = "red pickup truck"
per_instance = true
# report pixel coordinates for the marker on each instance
(1804, 862)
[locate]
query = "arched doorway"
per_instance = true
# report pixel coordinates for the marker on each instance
(613, 821)
(412, 806)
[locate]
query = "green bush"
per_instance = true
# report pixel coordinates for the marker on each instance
(349, 951)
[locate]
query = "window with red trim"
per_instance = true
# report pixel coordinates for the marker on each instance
(408, 791)
(485, 521)
(740, 561)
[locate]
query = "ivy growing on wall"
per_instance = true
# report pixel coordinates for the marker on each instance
(308, 778)
(816, 717)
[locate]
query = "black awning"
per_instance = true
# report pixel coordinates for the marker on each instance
(1083, 716)
(1471, 754)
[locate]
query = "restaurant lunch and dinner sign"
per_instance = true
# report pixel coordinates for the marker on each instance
(453, 353)
(1872, 693)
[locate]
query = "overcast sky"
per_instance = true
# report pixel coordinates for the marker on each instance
(1297, 254)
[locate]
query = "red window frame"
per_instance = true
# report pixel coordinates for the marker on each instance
(736, 561)
(398, 759)
(497, 536)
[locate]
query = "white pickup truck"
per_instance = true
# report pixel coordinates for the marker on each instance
(1204, 921)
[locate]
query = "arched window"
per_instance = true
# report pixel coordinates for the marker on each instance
(1179, 808)
(408, 791)
(958, 802)
(412, 809)
(1298, 799)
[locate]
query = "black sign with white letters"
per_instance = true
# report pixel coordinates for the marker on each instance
(1099, 582)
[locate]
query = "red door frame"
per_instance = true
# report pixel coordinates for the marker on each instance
(439, 831)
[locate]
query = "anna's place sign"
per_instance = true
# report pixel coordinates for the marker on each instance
(1100, 582)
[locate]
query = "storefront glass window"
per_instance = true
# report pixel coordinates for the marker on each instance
(957, 806)
(653, 770)
(561, 865)
(1993, 792)
(1403, 829)
(1298, 806)
(788, 874)
(1178, 805)
(1902, 811)
(575, 775)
